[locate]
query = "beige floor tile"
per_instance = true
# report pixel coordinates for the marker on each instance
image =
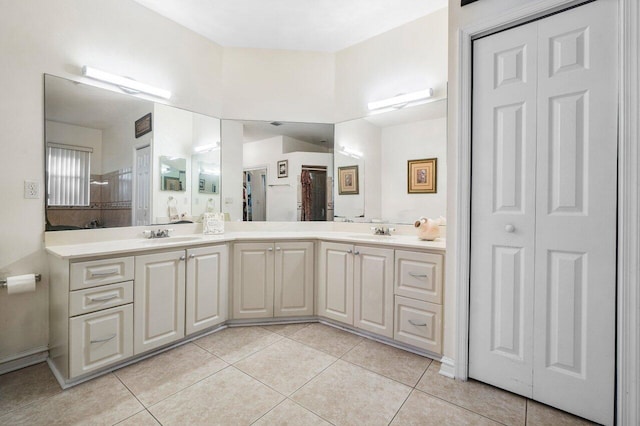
(285, 329)
(22, 387)
(346, 394)
(143, 418)
(233, 344)
(327, 339)
(163, 375)
(480, 398)
(288, 413)
(286, 365)
(543, 415)
(101, 401)
(424, 410)
(229, 397)
(391, 362)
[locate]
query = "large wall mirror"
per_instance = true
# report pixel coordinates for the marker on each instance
(114, 159)
(390, 156)
(287, 170)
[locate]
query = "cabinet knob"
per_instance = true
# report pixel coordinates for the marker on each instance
(191, 256)
(509, 228)
(349, 251)
(182, 257)
(277, 248)
(270, 249)
(356, 253)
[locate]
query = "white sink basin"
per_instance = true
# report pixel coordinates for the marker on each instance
(171, 240)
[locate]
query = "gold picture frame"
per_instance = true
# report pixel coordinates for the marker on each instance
(348, 180)
(422, 176)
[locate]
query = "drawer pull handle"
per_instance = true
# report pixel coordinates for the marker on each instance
(418, 324)
(416, 275)
(103, 298)
(106, 339)
(111, 271)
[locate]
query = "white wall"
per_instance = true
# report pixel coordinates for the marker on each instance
(413, 141)
(119, 140)
(68, 134)
(58, 37)
(409, 58)
(263, 84)
(233, 137)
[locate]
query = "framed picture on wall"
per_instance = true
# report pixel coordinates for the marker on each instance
(422, 176)
(143, 125)
(201, 185)
(283, 169)
(348, 180)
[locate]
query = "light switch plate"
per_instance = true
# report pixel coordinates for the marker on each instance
(31, 189)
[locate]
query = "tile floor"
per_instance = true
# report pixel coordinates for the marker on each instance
(300, 374)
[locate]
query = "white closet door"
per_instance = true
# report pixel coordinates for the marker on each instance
(574, 338)
(503, 209)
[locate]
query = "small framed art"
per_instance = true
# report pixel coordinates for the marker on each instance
(143, 125)
(348, 180)
(422, 176)
(283, 169)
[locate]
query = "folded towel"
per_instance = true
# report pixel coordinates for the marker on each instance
(173, 210)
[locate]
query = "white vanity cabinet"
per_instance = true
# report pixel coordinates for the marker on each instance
(273, 279)
(90, 314)
(159, 297)
(355, 286)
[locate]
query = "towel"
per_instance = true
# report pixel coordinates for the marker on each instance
(173, 210)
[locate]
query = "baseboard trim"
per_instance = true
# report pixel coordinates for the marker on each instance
(448, 367)
(24, 359)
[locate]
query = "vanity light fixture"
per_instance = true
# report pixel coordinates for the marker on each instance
(350, 152)
(402, 101)
(206, 148)
(215, 172)
(124, 83)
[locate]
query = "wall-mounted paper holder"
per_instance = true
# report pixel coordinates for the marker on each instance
(3, 281)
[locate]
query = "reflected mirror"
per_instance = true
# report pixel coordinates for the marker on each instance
(102, 171)
(173, 173)
(381, 147)
(287, 170)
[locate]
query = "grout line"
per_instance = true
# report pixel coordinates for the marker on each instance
(526, 410)
(422, 375)
(377, 373)
(132, 394)
(400, 408)
(459, 406)
(311, 411)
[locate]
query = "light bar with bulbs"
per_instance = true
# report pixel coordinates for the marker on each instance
(401, 101)
(350, 152)
(124, 83)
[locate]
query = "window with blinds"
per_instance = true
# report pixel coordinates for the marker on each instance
(68, 175)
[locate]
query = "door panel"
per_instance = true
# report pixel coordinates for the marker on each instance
(158, 300)
(207, 277)
(373, 290)
(575, 281)
(294, 279)
(335, 282)
(503, 209)
(253, 280)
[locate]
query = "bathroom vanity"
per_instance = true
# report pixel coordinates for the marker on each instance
(117, 301)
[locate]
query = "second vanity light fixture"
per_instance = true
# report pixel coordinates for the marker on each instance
(124, 82)
(401, 101)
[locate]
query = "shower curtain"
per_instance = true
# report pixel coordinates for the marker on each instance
(305, 179)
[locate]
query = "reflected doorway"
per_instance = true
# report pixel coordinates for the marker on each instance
(254, 200)
(314, 193)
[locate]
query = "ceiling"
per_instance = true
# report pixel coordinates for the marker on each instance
(311, 25)
(315, 133)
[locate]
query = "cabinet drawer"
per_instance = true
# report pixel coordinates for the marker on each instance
(418, 323)
(97, 298)
(99, 272)
(419, 276)
(99, 339)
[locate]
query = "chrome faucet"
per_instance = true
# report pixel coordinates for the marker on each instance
(160, 233)
(381, 230)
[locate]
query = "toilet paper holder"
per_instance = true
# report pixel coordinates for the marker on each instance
(3, 281)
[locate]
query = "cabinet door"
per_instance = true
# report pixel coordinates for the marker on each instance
(158, 300)
(253, 280)
(293, 279)
(100, 339)
(373, 290)
(335, 282)
(207, 276)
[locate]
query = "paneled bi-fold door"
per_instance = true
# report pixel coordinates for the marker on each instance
(543, 226)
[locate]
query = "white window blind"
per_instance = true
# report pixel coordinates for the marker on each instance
(68, 173)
